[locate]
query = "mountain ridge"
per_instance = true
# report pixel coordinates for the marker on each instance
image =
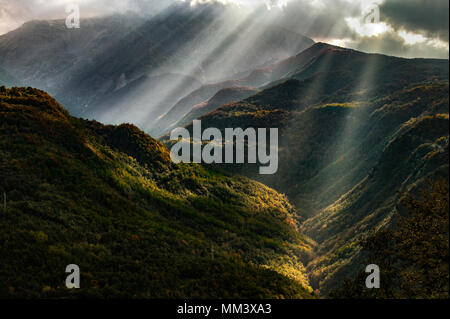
(83, 67)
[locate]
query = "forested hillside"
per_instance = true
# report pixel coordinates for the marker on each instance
(108, 199)
(355, 129)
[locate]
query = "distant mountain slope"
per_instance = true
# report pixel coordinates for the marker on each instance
(224, 96)
(83, 67)
(354, 129)
(143, 100)
(185, 105)
(109, 199)
(339, 75)
(256, 78)
(47, 54)
(284, 68)
(7, 79)
(320, 73)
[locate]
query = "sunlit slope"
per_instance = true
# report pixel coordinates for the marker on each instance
(108, 199)
(343, 126)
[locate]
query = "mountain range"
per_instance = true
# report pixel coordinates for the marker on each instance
(103, 69)
(356, 132)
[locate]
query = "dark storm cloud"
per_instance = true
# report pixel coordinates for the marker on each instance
(428, 17)
(326, 20)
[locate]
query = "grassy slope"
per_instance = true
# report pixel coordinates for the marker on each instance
(109, 199)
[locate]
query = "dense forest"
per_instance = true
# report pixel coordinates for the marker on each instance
(413, 256)
(347, 145)
(108, 199)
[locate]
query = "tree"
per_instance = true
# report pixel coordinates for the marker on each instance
(413, 256)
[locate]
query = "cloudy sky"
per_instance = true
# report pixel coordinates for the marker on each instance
(409, 28)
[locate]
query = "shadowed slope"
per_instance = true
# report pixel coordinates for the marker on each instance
(346, 146)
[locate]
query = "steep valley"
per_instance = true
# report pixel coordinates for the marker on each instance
(358, 133)
(347, 146)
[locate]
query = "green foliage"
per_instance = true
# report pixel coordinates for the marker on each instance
(413, 257)
(346, 149)
(108, 199)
